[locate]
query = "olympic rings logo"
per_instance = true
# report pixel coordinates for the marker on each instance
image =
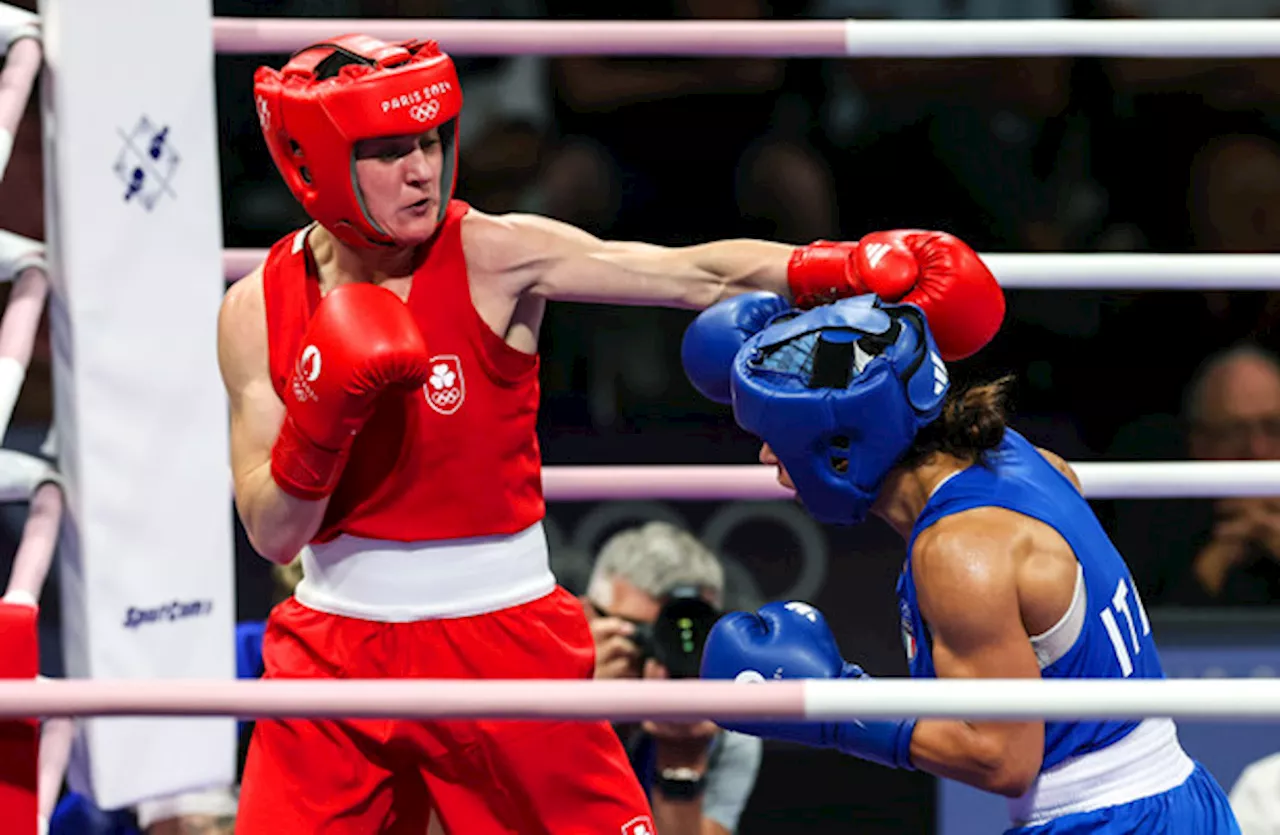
(446, 398)
(446, 388)
(573, 555)
(425, 112)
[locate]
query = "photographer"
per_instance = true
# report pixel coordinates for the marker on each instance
(655, 592)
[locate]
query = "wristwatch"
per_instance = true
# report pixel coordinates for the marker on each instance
(680, 783)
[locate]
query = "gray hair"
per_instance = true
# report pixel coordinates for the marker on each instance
(655, 558)
(1194, 400)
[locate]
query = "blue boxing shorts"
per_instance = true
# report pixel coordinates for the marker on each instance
(1197, 807)
(1143, 783)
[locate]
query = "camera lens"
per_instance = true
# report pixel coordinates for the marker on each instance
(680, 632)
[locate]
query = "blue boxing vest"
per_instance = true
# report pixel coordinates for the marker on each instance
(1115, 639)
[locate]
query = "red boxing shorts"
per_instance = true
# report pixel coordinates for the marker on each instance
(481, 777)
(19, 738)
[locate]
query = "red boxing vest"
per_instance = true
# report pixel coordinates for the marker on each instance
(459, 459)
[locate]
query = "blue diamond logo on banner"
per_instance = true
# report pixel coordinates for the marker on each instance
(146, 163)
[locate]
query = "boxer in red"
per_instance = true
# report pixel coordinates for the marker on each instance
(382, 372)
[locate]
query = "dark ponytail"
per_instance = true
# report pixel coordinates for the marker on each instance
(972, 422)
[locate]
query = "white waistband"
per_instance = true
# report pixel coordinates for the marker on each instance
(1147, 762)
(382, 580)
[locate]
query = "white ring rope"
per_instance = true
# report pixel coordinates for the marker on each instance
(884, 698)
(781, 38)
(1051, 271)
(1236, 699)
(1134, 271)
(1101, 480)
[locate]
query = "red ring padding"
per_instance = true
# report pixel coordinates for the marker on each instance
(19, 738)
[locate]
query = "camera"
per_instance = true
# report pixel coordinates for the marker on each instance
(675, 639)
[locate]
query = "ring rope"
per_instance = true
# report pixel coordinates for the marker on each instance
(781, 38)
(18, 327)
(1052, 271)
(21, 66)
(57, 736)
(36, 548)
(755, 482)
(684, 700)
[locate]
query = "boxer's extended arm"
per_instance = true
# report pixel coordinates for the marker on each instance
(278, 524)
(935, 271)
(954, 564)
(554, 260)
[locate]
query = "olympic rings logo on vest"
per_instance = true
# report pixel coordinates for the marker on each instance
(445, 389)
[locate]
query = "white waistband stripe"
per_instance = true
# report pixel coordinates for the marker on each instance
(381, 580)
(1147, 762)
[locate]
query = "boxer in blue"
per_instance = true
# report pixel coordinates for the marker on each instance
(1008, 573)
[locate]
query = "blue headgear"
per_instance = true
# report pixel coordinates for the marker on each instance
(839, 393)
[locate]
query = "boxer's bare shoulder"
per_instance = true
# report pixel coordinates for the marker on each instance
(242, 331)
(245, 298)
(243, 357)
(518, 246)
(982, 541)
(973, 555)
(1060, 464)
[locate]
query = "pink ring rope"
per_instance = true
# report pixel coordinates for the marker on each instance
(750, 482)
(883, 698)
(21, 66)
(409, 699)
(21, 319)
(782, 38)
(39, 540)
(56, 738)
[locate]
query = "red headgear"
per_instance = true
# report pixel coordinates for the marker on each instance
(333, 94)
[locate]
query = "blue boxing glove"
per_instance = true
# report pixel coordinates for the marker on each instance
(712, 340)
(792, 641)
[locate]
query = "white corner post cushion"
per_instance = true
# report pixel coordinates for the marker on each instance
(17, 253)
(135, 251)
(16, 23)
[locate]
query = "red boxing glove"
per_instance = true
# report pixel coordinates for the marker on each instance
(361, 341)
(935, 271)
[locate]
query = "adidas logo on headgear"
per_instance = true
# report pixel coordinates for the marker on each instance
(940, 378)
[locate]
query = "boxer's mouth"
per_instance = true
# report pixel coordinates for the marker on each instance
(420, 206)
